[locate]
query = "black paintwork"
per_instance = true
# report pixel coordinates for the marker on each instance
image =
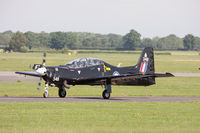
(102, 73)
(97, 74)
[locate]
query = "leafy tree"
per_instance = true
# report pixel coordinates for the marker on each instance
(44, 39)
(155, 41)
(104, 40)
(188, 42)
(92, 42)
(86, 42)
(9, 33)
(71, 40)
(131, 40)
(147, 42)
(197, 43)
(57, 40)
(4, 39)
(170, 42)
(115, 40)
(17, 41)
(32, 39)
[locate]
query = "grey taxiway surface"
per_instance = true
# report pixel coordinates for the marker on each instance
(10, 76)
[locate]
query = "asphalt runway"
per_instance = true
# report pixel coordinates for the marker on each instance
(10, 76)
(100, 99)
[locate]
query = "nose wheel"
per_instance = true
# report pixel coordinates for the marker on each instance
(62, 92)
(45, 94)
(106, 94)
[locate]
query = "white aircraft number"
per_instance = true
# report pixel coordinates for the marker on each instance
(56, 78)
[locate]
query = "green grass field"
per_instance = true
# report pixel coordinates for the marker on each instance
(98, 117)
(177, 62)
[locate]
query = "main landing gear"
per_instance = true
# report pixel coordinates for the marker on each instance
(62, 92)
(108, 90)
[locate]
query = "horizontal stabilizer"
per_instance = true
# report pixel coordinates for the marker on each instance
(163, 75)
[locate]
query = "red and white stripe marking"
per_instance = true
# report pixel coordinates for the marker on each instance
(143, 67)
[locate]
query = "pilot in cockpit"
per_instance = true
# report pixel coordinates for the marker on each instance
(96, 62)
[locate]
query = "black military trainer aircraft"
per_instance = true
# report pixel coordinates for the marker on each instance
(92, 71)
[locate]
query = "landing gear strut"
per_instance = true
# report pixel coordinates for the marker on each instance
(108, 90)
(62, 92)
(45, 94)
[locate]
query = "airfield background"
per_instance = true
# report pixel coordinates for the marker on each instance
(115, 31)
(64, 41)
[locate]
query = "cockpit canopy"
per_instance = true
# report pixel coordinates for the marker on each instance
(84, 62)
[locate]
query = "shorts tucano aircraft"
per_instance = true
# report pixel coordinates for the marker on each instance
(92, 71)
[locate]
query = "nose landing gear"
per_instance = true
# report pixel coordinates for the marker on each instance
(45, 94)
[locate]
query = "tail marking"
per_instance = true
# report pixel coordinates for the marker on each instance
(144, 64)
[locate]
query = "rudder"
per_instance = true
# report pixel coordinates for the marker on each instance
(146, 61)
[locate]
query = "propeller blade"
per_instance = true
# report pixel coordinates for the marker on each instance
(30, 66)
(39, 84)
(44, 59)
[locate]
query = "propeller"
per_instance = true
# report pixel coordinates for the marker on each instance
(41, 69)
(30, 66)
(44, 59)
(39, 84)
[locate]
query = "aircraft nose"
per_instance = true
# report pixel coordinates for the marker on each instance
(41, 70)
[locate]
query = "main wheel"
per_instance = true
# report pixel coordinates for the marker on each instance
(45, 94)
(105, 94)
(62, 92)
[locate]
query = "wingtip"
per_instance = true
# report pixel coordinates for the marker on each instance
(169, 74)
(17, 72)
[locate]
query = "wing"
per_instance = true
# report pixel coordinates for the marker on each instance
(29, 74)
(124, 76)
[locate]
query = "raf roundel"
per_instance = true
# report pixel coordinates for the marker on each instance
(116, 73)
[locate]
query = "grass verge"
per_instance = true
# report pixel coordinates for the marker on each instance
(176, 86)
(100, 117)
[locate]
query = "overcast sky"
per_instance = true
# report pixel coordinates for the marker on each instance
(149, 17)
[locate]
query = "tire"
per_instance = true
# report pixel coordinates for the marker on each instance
(62, 92)
(45, 94)
(105, 94)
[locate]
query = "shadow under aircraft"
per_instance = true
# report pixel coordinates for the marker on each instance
(92, 71)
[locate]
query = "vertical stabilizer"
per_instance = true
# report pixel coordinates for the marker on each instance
(146, 61)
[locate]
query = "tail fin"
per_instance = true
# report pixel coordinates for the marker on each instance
(146, 61)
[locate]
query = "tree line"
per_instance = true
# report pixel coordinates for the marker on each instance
(82, 40)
